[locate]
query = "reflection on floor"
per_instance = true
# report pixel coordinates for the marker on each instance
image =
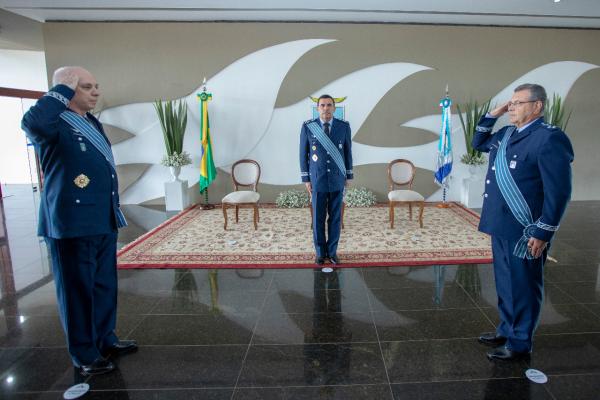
(376, 333)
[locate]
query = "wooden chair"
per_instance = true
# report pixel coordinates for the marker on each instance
(402, 173)
(244, 173)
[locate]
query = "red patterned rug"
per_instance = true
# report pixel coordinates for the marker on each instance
(195, 238)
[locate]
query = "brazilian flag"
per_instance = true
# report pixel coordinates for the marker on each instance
(208, 172)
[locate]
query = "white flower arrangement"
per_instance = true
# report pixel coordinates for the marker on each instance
(473, 159)
(292, 199)
(359, 197)
(176, 159)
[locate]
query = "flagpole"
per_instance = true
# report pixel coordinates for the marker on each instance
(444, 149)
(204, 97)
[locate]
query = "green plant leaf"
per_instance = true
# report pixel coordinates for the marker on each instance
(472, 114)
(554, 112)
(172, 115)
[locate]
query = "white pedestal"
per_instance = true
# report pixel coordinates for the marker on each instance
(176, 195)
(471, 194)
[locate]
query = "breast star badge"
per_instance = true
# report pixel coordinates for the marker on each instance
(315, 158)
(81, 181)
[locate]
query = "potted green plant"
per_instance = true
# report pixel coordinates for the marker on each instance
(172, 115)
(554, 113)
(472, 114)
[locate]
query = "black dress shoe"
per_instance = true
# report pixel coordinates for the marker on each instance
(122, 347)
(319, 260)
(506, 354)
(334, 260)
(99, 366)
(491, 339)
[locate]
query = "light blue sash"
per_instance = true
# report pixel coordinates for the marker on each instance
(513, 197)
(84, 127)
(333, 151)
(91, 133)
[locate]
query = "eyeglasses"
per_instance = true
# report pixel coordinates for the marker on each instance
(518, 103)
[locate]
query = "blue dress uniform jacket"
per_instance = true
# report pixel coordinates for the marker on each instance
(539, 159)
(321, 171)
(67, 210)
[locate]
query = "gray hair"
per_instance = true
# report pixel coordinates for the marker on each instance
(61, 72)
(537, 92)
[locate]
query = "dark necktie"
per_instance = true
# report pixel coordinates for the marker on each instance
(326, 128)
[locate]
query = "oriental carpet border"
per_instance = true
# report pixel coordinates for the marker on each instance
(195, 238)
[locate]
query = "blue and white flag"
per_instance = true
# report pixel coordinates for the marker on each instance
(443, 165)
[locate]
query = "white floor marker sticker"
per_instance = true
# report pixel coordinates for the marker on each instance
(76, 391)
(536, 376)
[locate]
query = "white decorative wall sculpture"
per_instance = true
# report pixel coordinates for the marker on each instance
(246, 124)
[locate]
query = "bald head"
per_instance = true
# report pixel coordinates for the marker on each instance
(69, 76)
(83, 83)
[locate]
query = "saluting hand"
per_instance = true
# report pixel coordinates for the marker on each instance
(68, 77)
(500, 111)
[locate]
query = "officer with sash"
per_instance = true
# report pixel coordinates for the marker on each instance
(79, 216)
(527, 189)
(325, 168)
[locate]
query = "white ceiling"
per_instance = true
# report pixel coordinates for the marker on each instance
(543, 13)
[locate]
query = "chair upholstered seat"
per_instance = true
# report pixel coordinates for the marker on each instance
(405, 195)
(242, 196)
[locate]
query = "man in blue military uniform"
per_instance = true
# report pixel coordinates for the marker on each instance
(528, 187)
(325, 168)
(79, 216)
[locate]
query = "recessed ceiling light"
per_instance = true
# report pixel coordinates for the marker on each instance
(557, 1)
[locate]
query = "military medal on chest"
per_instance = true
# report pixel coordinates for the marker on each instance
(315, 158)
(81, 181)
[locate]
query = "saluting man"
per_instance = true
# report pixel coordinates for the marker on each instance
(325, 168)
(528, 186)
(79, 216)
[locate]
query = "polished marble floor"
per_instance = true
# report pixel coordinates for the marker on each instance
(363, 333)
